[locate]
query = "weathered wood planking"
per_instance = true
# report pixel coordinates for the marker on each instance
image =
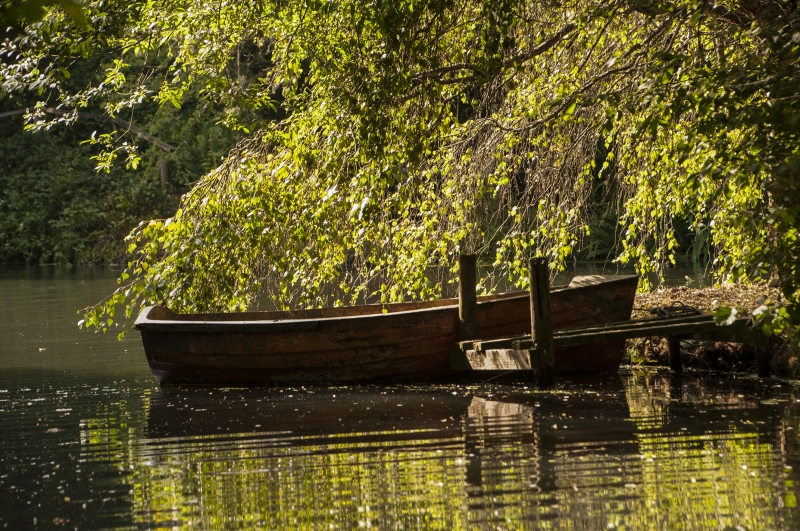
(499, 360)
(696, 327)
(410, 341)
(508, 352)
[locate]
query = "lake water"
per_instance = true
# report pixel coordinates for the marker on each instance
(88, 440)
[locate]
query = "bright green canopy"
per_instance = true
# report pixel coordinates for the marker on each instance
(416, 130)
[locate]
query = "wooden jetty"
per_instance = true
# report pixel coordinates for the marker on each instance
(577, 328)
(535, 351)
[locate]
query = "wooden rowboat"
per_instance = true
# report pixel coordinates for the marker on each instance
(389, 342)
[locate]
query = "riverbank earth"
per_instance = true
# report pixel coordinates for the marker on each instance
(711, 355)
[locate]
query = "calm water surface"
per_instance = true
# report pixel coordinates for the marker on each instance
(89, 441)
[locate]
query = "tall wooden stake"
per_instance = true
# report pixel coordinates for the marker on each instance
(467, 296)
(542, 319)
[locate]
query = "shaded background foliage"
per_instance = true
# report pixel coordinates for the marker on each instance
(56, 206)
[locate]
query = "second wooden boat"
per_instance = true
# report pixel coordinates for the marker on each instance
(391, 342)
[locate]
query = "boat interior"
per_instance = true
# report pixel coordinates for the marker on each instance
(159, 313)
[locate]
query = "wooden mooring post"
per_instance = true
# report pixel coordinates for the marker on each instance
(537, 350)
(467, 296)
(542, 319)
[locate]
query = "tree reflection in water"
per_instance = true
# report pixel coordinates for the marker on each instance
(629, 452)
(87, 437)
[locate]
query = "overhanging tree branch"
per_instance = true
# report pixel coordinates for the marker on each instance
(141, 133)
(515, 59)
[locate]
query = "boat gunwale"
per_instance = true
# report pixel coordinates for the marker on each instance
(145, 323)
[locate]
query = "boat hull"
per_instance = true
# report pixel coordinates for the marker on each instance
(410, 342)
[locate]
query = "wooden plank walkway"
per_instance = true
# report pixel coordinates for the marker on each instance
(519, 352)
(536, 351)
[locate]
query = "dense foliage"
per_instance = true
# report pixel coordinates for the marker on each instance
(56, 207)
(413, 130)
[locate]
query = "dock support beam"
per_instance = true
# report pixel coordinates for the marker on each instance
(675, 362)
(542, 319)
(467, 296)
(763, 354)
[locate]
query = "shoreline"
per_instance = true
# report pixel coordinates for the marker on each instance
(711, 355)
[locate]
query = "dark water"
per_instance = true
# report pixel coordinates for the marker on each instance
(89, 441)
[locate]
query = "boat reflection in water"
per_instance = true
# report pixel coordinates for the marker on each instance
(631, 451)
